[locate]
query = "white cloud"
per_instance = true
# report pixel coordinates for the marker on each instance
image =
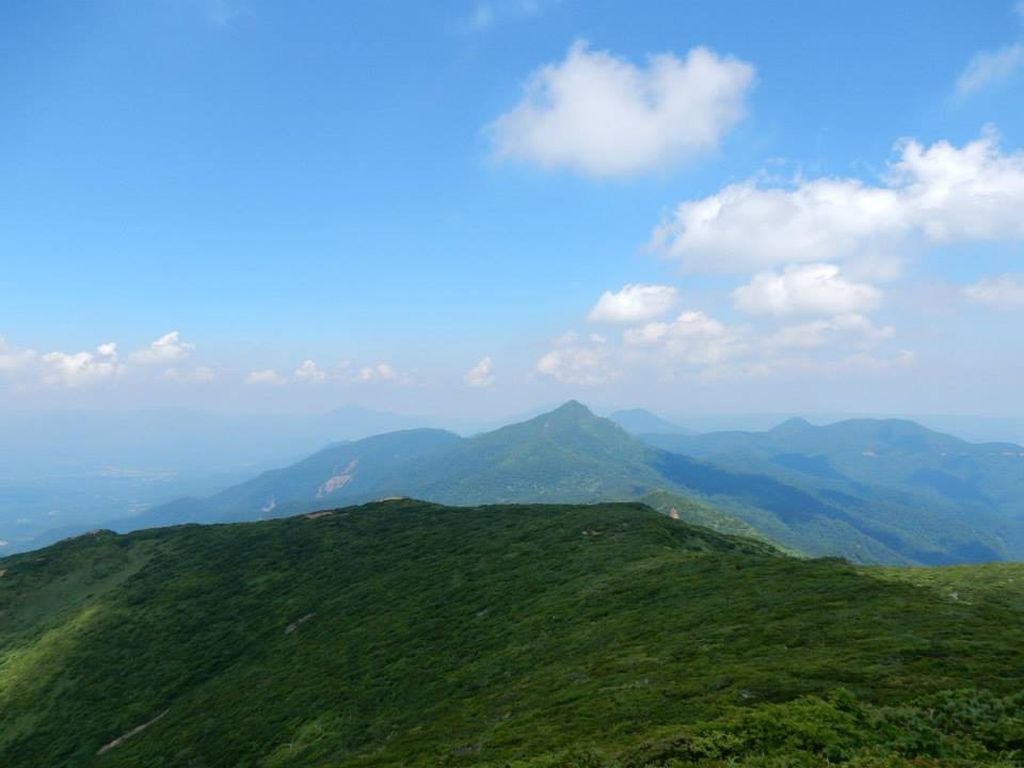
(81, 368)
(169, 348)
(379, 372)
(586, 363)
(693, 339)
(309, 371)
(267, 376)
(601, 115)
(481, 374)
(812, 289)
(989, 67)
(940, 194)
(648, 335)
(635, 303)
(817, 333)
(1002, 292)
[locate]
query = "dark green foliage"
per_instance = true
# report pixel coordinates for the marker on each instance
(409, 634)
(696, 512)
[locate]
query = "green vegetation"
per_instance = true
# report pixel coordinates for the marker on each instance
(566, 456)
(572, 456)
(696, 512)
(408, 634)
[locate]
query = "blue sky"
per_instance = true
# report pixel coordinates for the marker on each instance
(419, 206)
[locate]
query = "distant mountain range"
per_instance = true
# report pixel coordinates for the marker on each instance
(893, 475)
(870, 491)
(639, 421)
(63, 471)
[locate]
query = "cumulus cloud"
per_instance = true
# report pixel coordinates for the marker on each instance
(379, 372)
(169, 348)
(693, 338)
(575, 361)
(266, 376)
(817, 333)
(635, 303)
(601, 115)
(481, 374)
(1004, 292)
(697, 345)
(812, 289)
(309, 371)
(939, 194)
(81, 368)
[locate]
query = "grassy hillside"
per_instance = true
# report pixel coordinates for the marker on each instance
(407, 634)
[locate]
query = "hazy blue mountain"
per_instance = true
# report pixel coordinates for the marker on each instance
(639, 421)
(363, 469)
(889, 468)
(570, 455)
(54, 443)
(63, 471)
(567, 455)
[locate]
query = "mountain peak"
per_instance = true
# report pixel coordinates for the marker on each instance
(574, 415)
(572, 418)
(572, 408)
(795, 424)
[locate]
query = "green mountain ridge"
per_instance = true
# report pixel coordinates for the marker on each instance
(572, 456)
(404, 633)
(888, 467)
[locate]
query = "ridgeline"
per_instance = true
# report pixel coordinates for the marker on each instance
(402, 633)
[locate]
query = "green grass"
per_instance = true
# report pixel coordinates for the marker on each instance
(409, 634)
